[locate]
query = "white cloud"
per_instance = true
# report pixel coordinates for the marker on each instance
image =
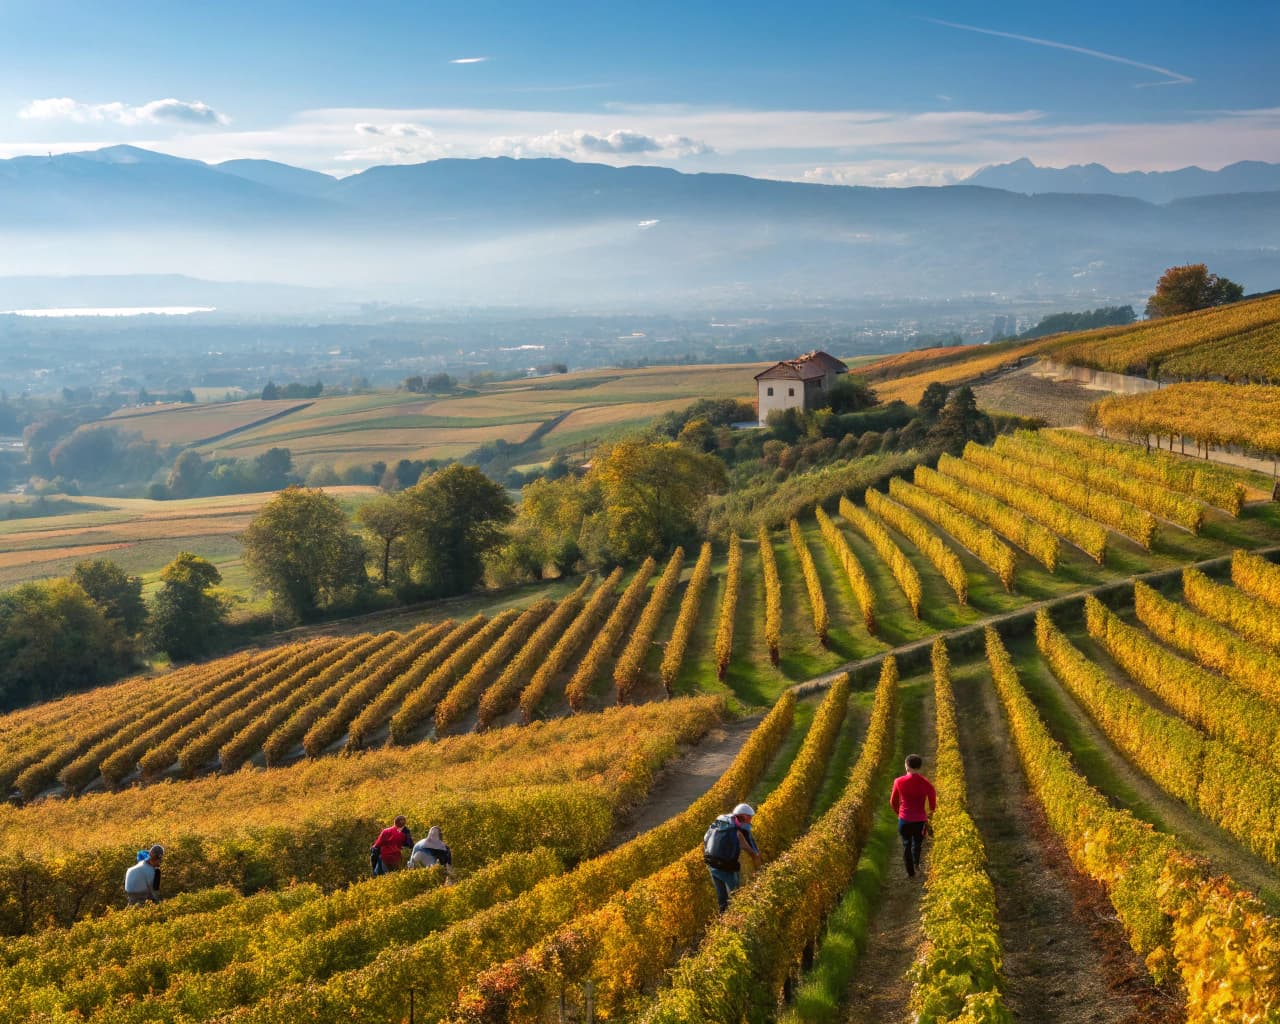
(173, 111)
(468, 60)
(401, 130)
(580, 143)
(886, 174)
(404, 143)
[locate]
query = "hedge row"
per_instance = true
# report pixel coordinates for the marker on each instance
(686, 620)
(1216, 939)
(728, 606)
(1040, 543)
(628, 673)
(980, 540)
(857, 576)
(812, 583)
(772, 595)
(899, 564)
(568, 645)
(911, 526)
(610, 635)
(504, 692)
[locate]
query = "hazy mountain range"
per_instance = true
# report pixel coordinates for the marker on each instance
(576, 234)
(1152, 186)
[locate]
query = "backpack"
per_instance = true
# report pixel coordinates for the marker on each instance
(720, 845)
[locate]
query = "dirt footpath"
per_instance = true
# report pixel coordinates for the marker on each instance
(686, 778)
(1065, 957)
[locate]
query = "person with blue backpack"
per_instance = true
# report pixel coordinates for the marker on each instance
(722, 847)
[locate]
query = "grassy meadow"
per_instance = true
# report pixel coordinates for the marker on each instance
(573, 409)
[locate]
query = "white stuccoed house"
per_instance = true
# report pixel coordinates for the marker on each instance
(799, 383)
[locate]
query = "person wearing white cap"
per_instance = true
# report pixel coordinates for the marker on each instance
(722, 847)
(142, 881)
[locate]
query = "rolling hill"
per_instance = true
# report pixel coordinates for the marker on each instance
(547, 230)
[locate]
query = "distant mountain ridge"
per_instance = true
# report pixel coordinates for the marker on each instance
(549, 230)
(1149, 186)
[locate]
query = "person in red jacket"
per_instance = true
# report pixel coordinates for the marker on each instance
(911, 794)
(386, 851)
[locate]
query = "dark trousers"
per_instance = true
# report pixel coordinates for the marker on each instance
(726, 882)
(912, 833)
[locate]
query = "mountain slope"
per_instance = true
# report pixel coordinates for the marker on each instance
(1151, 186)
(552, 231)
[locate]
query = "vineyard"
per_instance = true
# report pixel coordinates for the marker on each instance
(1237, 342)
(1212, 415)
(1107, 842)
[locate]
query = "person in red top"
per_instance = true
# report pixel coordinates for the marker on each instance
(386, 848)
(911, 794)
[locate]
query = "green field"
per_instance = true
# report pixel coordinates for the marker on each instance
(387, 426)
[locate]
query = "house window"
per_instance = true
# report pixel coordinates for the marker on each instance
(770, 391)
(791, 392)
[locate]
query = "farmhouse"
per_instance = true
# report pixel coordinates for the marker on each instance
(800, 383)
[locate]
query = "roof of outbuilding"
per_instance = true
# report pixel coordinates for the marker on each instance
(806, 367)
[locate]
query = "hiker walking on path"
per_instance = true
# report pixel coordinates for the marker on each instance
(433, 850)
(142, 881)
(385, 853)
(722, 847)
(911, 793)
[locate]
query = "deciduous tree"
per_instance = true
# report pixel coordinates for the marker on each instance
(118, 594)
(386, 520)
(456, 515)
(652, 493)
(1188, 288)
(186, 615)
(54, 639)
(300, 549)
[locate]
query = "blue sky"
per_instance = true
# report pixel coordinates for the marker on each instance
(864, 93)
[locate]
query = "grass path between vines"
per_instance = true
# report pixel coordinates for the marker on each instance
(1060, 963)
(880, 988)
